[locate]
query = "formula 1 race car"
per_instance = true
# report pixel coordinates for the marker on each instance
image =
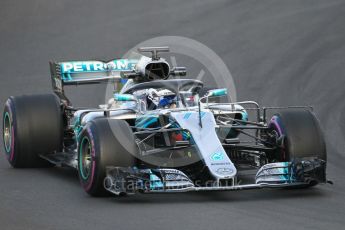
(161, 133)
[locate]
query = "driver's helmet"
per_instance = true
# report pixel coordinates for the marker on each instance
(167, 99)
(160, 99)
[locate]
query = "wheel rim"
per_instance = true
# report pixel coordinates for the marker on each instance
(85, 158)
(7, 133)
(277, 132)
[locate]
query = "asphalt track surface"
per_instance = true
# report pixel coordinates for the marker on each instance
(279, 53)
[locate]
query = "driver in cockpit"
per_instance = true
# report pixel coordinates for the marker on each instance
(163, 99)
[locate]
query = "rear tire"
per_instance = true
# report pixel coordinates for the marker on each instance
(100, 147)
(32, 125)
(301, 133)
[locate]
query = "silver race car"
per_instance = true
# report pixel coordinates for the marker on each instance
(161, 133)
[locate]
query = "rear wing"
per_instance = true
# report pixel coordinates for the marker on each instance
(87, 72)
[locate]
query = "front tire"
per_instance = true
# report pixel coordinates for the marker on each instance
(300, 135)
(104, 142)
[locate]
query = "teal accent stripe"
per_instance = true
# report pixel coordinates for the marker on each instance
(8, 148)
(146, 121)
(149, 123)
(81, 169)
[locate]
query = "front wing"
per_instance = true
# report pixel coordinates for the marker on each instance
(274, 175)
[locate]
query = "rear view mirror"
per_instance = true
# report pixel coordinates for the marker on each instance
(217, 92)
(124, 97)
